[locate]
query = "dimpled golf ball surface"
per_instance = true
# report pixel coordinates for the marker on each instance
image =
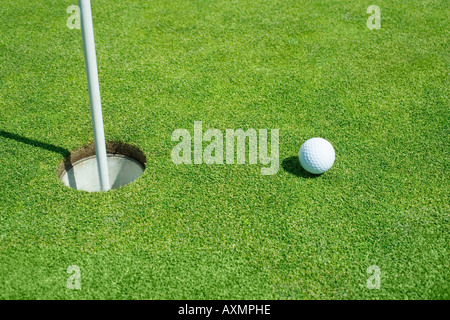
(316, 155)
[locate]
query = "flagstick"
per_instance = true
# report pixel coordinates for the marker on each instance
(87, 31)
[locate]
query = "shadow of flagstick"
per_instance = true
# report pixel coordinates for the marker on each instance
(46, 146)
(35, 143)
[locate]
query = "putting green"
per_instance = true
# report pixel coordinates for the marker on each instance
(199, 231)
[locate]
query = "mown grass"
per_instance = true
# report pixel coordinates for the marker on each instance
(308, 68)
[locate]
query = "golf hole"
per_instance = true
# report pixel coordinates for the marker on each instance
(79, 171)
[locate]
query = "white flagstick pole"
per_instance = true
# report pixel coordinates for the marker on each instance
(87, 31)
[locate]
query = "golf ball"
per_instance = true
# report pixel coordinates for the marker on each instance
(316, 155)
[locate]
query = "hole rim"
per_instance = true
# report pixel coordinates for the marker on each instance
(113, 148)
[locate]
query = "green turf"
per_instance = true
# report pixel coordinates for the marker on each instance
(308, 68)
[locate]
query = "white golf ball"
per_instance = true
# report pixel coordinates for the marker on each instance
(316, 155)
